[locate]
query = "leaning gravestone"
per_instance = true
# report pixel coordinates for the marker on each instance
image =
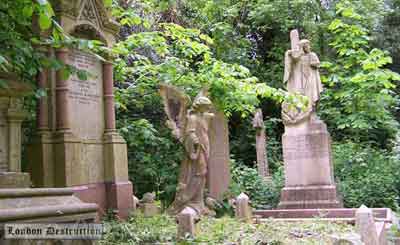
(77, 144)
(309, 181)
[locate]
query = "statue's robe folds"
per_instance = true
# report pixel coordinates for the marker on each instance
(193, 172)
(302, 75)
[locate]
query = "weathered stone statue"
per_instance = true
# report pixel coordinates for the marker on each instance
(301, 71)
(301, 76)
(190, 127)
(309, 181)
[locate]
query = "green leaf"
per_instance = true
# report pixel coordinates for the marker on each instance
(3, 83)
(82, 75)
(108, 3)
(44, 21)
(27, 11)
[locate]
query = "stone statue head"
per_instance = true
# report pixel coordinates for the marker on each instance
(202, 104)
(305, 45)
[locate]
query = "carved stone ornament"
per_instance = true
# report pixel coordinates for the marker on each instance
(294, 115)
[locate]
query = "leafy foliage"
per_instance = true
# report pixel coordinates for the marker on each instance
(360, 98)
(366, 175)
(264, 194)
(154, 158)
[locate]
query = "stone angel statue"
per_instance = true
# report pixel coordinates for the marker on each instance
(190, 126)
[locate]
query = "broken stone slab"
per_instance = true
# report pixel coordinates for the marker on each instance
(187, 220)
(347, 239)
(243, 209)
(365, 226)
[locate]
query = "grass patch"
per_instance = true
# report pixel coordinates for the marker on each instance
(161, 229)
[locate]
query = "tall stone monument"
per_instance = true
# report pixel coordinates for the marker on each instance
(18, 202)
(219, 176)
(77, 143)
(262, 160)
(309, 181)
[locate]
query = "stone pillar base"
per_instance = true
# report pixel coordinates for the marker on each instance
(309, 197)
(14, 180)
(119, 198)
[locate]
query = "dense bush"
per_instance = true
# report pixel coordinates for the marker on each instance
(154, 159)
(366, 175)
(263, 193)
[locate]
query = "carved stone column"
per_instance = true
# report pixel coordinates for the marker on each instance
(62, 103)
(43, 107)
(14, 118)
(109, 109)
(119, 188)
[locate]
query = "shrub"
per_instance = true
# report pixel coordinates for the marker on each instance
(366, 175)
(263, 194)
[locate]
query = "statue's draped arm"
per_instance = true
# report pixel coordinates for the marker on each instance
(314, 62)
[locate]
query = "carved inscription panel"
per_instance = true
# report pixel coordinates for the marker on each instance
(86, 96)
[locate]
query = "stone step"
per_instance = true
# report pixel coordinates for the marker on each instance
(338, 214)
(44, 204)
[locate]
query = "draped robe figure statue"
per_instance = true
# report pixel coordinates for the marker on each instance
(190, 127)
(302, 76)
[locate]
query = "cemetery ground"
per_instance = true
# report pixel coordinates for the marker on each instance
(161, 229)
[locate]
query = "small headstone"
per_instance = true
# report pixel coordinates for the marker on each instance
(365, 226)
(187, 220)
(148, 206)
(347, 239)
(135, 202)
(243, 209)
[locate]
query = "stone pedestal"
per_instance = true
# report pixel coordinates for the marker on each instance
(309, 181)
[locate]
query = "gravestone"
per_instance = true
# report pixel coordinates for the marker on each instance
(219, 177)
(77, 144)
(243, 210)
(262, 161)
(365, 226)
(309, 181)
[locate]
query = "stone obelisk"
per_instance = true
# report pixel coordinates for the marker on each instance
(309, 181)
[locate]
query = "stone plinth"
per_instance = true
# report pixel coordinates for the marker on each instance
(44, 205)
(14, 180)
(333, 214)
(309, 181)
